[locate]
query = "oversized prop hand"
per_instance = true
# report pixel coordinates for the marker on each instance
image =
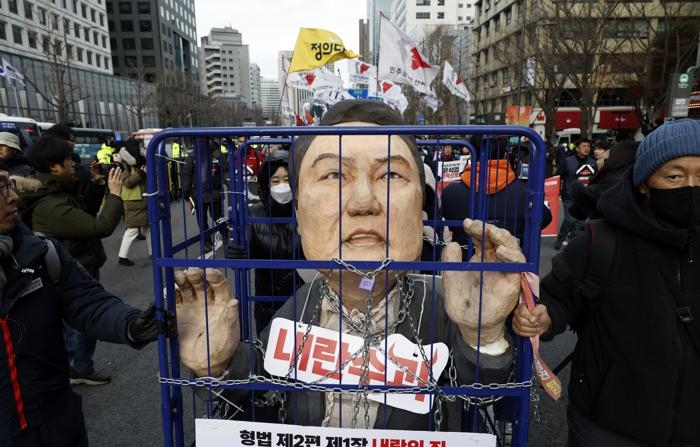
(223, 328)
(499, 291)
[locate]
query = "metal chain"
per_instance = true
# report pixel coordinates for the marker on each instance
(369, 275)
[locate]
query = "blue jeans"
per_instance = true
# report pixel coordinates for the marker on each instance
(80, 350)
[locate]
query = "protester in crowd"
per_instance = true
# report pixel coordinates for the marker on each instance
(40, 286)
(634, 375)
(271, 240)
(82, 172)
(358, 227)
(135, 205)
(577, 167)
(601, 152)
(506, 196)
(12, 155)
(203, 179)
(54, 206)
(585, 198)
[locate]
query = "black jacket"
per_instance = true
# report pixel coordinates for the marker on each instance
(210, 179)
(34, 309)
(635, 371)
(569, 172)
(18, 164)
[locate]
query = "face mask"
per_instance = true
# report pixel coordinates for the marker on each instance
(679, 207)
(281, 193)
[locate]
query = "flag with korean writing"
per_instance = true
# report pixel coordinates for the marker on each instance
(318, 81)
(317, 47)
(362, 72)
(453, 82)
(401, 61)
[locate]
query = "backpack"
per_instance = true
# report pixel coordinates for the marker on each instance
(51, 259)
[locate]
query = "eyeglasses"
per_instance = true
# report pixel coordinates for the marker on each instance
(6, 186)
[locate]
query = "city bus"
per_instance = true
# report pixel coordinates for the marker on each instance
(87, 140)
(25, 128)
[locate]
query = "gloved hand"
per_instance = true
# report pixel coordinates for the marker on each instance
(235, 251)
(144, 328)
(499, 292)
(222, 314)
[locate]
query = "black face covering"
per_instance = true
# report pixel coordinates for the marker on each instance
(679, 207)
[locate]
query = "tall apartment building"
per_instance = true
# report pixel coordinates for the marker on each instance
(63, 49)
(418, 16)
(270, 93)
(255, 92)
(154, 40)
(225, 65)
(520, 60)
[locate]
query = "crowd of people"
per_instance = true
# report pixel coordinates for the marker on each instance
(635, 366)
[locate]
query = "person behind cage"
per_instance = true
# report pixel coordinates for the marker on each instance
(41, 286)
(54, 206)
(135, 205)
(271, 240)
(203, 180)
(82, 172)
(12, 155)
(506, 196)
(363, 227)
(635, 369)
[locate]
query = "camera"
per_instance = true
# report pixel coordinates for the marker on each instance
(105, 167)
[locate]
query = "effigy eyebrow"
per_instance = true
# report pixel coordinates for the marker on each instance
(392, 159)
(327, 155)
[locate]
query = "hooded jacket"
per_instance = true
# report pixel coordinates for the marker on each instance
(33, 309)
(58, 211)
(273, 240)
(18, 164)
(635, 371)
(506, 201)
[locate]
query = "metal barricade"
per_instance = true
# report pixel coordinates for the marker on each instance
(175, 246)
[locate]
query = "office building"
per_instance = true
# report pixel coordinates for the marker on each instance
(225, 65)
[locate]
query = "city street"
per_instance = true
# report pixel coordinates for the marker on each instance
(126, 413)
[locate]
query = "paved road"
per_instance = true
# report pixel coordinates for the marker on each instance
(126, 413)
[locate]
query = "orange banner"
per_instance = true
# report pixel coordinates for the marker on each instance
(551, 200)
(518, 115)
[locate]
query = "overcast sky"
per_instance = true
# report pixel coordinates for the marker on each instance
(269, 26)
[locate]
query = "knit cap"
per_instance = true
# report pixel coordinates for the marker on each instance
(680, 138)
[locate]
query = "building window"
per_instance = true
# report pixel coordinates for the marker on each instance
(113, 43)
(149, 61)
(69, 51)
(440, 15)
(13, 6)
(83, 10)
(130, 61)
(125, 7)
(17, 34)
(31, 38)
(66, 26)
(143, 7)
(128, 44)
(75, 6)
(104, 41)
(42, 16)
(422, 15)
(92, 15)
(86, 35)
(509, 15)
(109, 8)
(28, 10)
(80, 54)
(145, 26)
(147, 43)
(54, 22)
(115, 62)
(110, 26)
(3, 33)
(106, 63)
(127, 25)
(149, 77)
(422, 2)
(76, 29)
(45, 44)
(89, 57)
(97, 60)
(102, 19)
(441, 2)
(95, 37)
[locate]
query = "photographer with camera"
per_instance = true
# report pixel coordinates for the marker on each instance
(53, 205)
(135, 206)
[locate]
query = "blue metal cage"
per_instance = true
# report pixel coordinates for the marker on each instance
(180, 240)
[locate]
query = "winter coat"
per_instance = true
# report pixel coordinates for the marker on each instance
(135, 205)
(308, 408)
(18, 164)
(506, 202)
(58, 211)
(34, 309)
(212, 167)
(575, 170)
(634, 370)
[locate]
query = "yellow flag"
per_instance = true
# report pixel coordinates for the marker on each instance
(317, 47)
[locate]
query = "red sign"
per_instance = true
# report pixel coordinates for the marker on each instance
(618, 119)
(551, 198)
(568, 118)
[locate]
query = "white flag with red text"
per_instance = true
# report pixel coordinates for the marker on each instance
(318, 81)
(362, 72)
(401, 61)
(454, 83)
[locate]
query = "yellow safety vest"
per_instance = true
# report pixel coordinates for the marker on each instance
(104, 155)
(176, 150)
(223, 149)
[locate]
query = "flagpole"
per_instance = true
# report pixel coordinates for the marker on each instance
(14, 89)
(284, 87)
